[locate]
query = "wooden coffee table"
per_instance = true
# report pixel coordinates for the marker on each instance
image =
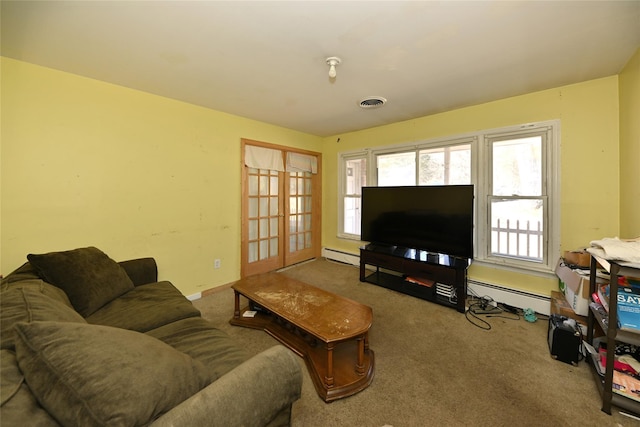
(330, 332)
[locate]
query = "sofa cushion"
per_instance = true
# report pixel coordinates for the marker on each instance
(141, 270)
(201, 340)
(25, 272)
(17, 403)
(32, 300)
(145, 307)
(98, 375)
(88, 276)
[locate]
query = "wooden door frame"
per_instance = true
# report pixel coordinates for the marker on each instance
(316, 218)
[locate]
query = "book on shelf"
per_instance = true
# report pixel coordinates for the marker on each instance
(625, 381)
(596, 298)
(603, 296)
(596, 360)
(628, 308)
(629, 281)
(603, 315)
(626, 385)
(419, 281)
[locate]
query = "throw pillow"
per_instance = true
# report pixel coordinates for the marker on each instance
(88, 276)
(98, 375)
(18, 406)
(29, 301)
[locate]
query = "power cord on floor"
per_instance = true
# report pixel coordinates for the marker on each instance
(487, 308)
(483, 325)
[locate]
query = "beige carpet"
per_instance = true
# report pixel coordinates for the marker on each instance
(434, 368)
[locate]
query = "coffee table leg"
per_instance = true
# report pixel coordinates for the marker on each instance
(236, 309)
(328, 379)
(360, 364)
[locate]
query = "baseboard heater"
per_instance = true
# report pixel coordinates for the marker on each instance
(340, 256)
(538, 303)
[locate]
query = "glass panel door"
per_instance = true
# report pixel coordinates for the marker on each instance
(299, 217)
(263, 221)
(280, 216)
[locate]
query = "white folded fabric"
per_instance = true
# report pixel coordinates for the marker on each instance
(615, 249)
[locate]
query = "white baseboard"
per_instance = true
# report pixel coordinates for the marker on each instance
(195, 296)
(538, 303)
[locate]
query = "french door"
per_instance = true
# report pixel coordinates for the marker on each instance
(280, 212)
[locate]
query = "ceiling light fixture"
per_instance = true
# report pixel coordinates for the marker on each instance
(332, 61)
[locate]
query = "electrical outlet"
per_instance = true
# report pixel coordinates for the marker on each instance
(216, 263)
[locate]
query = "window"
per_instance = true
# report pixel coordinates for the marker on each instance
(396, 169)
(353, 178)
(516, 202)
(518, 197)
(449, 165)
(516, 191)
(445, 165)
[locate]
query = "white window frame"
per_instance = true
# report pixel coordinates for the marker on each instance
(343, 158)
(550, 191)
(480, 143)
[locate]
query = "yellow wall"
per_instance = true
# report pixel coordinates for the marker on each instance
(630, 148)
(589, 162)
(89, 163)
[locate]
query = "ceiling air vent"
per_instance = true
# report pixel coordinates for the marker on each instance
(373, 102)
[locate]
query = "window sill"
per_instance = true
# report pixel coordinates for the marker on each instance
(540, 271)
(353, 237)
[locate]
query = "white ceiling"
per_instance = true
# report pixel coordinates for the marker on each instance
(265, 60)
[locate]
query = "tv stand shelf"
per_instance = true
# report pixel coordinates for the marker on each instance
(440, 268)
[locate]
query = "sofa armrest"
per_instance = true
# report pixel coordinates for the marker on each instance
(141, 271)
(255, 393)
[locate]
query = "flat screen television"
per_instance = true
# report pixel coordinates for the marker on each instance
(431, 218)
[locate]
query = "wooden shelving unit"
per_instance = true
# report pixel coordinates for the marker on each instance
(610, 326)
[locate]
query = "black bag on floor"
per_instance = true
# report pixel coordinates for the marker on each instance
(564, 338)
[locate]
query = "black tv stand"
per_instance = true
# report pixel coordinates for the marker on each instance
(440, 268)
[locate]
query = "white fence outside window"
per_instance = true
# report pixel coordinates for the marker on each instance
(525, 240)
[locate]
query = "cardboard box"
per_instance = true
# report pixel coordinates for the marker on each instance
(561, 307)
(576, 287)
(578, 258)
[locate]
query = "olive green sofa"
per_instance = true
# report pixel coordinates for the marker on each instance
(88, 341)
